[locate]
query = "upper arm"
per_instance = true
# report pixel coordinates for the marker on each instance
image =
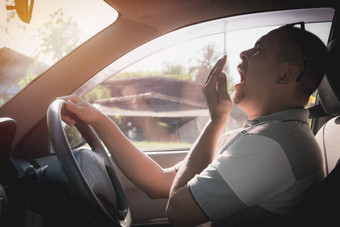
(256, 173)
(182, 209)
(232, 182)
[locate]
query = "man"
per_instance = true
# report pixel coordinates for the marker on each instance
(248, 176)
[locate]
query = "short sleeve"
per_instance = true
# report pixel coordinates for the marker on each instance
(242, 176)
(213, 195)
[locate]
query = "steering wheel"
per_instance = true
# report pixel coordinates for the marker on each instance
(91, 173)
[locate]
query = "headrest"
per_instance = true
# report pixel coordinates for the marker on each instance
(329, 89)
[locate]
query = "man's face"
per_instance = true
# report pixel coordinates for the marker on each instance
(258, 71)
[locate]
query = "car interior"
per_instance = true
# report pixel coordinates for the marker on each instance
(144, 68)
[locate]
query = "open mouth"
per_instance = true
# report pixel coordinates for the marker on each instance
(242, 76)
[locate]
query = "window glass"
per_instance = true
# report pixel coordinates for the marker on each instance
(56, 28)
(158, 103)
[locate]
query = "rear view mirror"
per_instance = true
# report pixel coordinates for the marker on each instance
(23, 8)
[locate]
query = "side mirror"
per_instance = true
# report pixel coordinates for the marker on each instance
(24, 9)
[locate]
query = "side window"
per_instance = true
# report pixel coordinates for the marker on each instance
(157, 101)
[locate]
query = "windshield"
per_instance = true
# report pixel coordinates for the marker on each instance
(56, 28)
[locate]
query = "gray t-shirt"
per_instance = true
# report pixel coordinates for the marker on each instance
(264, 168)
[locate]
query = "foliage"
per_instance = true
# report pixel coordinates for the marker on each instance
(73, 136)
(11, 16)
(31, 73)
(197, 73)
(178, 71)
(26, 80)
(205, 62)
(60, 35)
(100, 92)
(2, 100)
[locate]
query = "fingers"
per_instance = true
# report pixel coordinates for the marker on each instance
(222, 87)
(68, 120)
(67, 113)
(217, 69)
(78, 108)
(220, 65)
(72, 102)
(70, 106)
(216, 92)
(211, 84)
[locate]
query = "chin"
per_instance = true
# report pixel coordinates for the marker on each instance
(237, 97)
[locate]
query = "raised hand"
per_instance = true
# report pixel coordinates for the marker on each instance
(216, 93)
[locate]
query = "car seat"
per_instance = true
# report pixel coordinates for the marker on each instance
(329, 93)
(320, 208)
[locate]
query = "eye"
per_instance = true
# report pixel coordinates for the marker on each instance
(258, 49)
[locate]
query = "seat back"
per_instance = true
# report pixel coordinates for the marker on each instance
(328, 138)
(320, 208)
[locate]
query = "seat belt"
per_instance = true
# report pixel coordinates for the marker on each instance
(316, 112)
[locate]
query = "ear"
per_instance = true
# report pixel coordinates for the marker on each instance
(289, 75)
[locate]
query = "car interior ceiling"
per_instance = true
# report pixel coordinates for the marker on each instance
(141, 12)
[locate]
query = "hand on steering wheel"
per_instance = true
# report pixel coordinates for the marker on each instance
(91, 173)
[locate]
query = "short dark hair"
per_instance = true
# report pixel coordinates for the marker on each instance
(306, 50)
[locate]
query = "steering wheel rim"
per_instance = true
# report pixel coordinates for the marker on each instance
(85, 184)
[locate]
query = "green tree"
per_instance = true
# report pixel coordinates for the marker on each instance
(60, 35)
(197, 73)
(174, 69)
(11, 22)
(73, 135)
(32, 72)
(205, 63)
(100, 92)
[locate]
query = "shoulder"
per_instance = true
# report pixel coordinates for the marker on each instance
(297, 141)
(227, 137)
(292, 136)
(273, 128)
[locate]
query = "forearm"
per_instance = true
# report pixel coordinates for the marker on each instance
(137, 166)
(200, 156)
(198, 159)
(203, 151)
